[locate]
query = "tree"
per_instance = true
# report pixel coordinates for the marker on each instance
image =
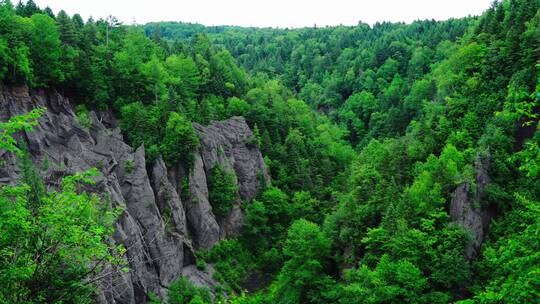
(184, 75)
(184, 292)
(48, 11)
(179, 141)
(15, 124)
(45, 51)
(222, 190)
(297, 166)
(390, 282)
(53, 242)
(276, 203)
(157, 78)
(70, 40)
(28, 9)
(142, 126)
(66, 27)
(135, 72)
(302, 278)
(15, 63)
(237, 107)
(511, 263)
(226, 78)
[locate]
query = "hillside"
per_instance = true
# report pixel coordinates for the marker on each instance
(393, 163)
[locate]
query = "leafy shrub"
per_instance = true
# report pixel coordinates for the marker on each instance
(237, 107)
(180, 140)
(232, 263)
(73, 226)
(142, 126)
(201, 264)
(129, 166)
(185, 191)
(185, 292)
(82, 116)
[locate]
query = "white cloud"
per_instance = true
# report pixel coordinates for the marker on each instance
(275, 13)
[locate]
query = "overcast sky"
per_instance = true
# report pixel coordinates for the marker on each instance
(275, 13)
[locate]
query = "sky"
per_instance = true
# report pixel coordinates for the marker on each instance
(270, 13)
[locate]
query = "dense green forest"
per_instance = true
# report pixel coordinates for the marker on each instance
(366, 132)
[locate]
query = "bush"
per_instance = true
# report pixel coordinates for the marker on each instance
(180, 140)
(237, 107)
(201, 265)
(184, 292)
(185, 191)
(82, 116)
(232, 263)
(222, 189)
(130, 166)
(142, 126)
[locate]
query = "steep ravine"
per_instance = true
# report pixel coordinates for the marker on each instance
(161, 231)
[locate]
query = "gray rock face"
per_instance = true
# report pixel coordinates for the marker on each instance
(200, 278)
(227, 144)
(203, 221)
(157, 228)
(465, 209)
(223, 144)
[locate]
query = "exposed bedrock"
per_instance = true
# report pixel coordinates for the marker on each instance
(466, 208)
(160, 231)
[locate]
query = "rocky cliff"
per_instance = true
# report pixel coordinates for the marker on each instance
(466, 207)
(160, 230)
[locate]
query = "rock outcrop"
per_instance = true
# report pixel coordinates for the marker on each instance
(160, 231)
(466, 208)
(227, 144)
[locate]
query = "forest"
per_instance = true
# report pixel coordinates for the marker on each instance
(367, 132)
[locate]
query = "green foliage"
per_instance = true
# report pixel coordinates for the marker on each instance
(143, 125)
(153, 298)
(129, 165)
(201, 265)
(222, 190)
(14, 52)
(184, 75)
(15, 124)
(45, 51)
(510, 264)
(232, 263)
(302, 278)
(184, 292)
(529, 157)
(270, 213)
(237, 107)
(389, 282)
(185, 191)
(179, 141)
(83, 117)
(53, 242)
